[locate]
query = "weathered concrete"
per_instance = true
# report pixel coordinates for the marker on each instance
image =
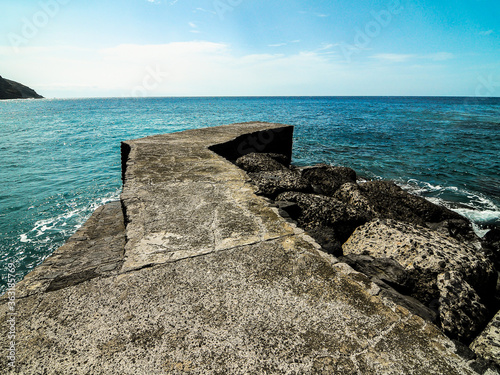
(210, 280)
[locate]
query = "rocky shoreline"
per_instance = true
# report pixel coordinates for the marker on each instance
(424, 257)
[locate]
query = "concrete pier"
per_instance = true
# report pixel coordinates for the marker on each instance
(192, 273)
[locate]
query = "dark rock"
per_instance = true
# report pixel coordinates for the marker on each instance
(255, 162)
(14, 90)
(392, 202)
(288, 209)
(483, 366)
(384, 269)
(459, 228)
(389, 201)
(491, 242)
(492, 236)
(272, 183)
(395, 282)
(410, 303)
(322, 211)
(351, 194)
(326, 179)
(327, 238)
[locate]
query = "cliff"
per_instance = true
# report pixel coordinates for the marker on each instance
(192, 272)
(14, 90)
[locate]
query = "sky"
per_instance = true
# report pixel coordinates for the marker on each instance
(124, 48)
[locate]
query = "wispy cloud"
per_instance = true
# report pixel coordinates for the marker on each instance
(203, 10)
(393, 57)
(486, 33)
(320, 15)
(283, 43)
(401, 58)
(194, 27)
(440, 56)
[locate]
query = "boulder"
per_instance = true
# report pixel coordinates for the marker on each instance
(392, 202)
(491, 242)
(321, 211)
(272, 183)
(287, 210)
(386, 270)
(351, 193)
(395, 282)
(426, 254)
(255, 162)
(328, 239)
(326, 179)
(459, 228)
(487, 344)
(386, 200)
(461, 311)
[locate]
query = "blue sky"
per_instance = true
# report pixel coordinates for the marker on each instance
(101, 48)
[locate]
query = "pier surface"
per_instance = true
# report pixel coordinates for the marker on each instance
(192, 273)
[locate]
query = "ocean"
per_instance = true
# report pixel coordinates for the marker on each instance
(60, 158)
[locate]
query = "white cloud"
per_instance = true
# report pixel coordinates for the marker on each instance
(203, 68)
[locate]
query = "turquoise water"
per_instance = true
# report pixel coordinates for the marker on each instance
(61, 158)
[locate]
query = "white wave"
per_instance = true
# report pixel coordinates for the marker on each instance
(67, 222)
(476, 207)
(479, 217)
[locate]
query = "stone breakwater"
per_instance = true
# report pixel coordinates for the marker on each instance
(424, 257)
(194, 272)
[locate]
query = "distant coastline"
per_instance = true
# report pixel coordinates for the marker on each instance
(14, 90)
